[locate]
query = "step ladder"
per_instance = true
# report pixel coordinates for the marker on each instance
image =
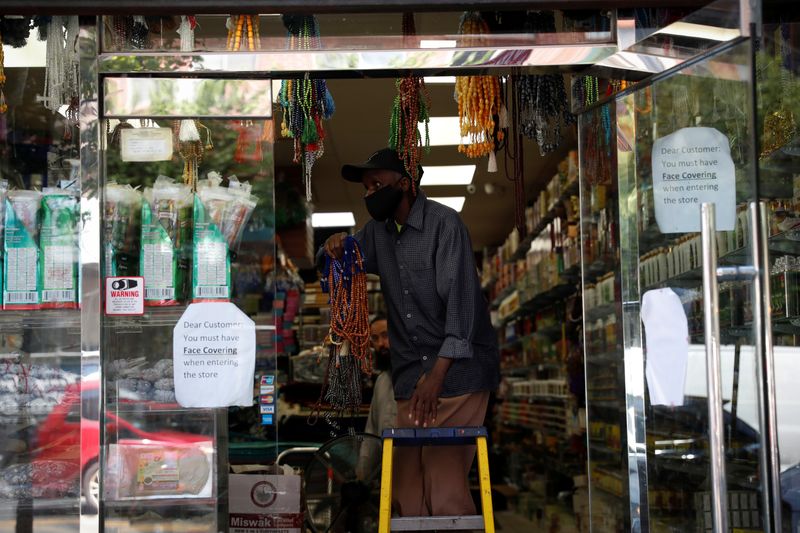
(435, 437)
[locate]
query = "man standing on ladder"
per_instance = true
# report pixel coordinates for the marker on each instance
(444, 351)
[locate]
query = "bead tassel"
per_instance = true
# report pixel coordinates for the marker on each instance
(305, 102)
(348, 340)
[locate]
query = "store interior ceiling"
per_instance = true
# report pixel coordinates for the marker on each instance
(361, 125)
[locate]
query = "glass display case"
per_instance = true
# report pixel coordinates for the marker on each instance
(195, 224)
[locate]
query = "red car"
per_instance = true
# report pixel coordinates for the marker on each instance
(68, 441)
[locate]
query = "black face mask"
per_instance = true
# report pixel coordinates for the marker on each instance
(383, 203)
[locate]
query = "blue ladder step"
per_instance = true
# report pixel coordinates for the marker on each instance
(434, 436)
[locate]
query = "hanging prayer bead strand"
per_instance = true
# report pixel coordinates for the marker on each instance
(348, 339)
(3, 104)
(305, 102)
(478, 97)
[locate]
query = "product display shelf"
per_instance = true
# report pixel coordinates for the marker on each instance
(185, 503)
(542, 300)
(40, 319)
(785, 242)
(570, 189)
(600, 312)
(602, 448)
(528, 369)
(505, 293)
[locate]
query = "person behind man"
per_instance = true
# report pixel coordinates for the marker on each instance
(383, 408)
(444, 350)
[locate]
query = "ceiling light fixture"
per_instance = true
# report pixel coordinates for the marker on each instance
(333, 220)
(432, 80)
(445, 131)
(437, 43)
(448, 175)
(454, 202)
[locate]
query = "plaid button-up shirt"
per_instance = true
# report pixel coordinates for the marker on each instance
(433, 298)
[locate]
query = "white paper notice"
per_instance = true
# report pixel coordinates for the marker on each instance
(667, 346)
(690, 167)
(214, 356)
(146, 144)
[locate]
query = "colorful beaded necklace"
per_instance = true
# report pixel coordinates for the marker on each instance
(479, 97)
(305, 102)
(237, 26)
(411, 106)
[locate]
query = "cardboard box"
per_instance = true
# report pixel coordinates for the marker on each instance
(265, 503)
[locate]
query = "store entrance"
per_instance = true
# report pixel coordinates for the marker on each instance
(212, 461)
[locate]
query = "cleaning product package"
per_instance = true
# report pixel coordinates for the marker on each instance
(122, 229)
(166, 242)
(59, 248)
(3, 195)
(22, 279)
(220, 214)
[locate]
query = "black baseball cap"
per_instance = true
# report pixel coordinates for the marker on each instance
(383, 159)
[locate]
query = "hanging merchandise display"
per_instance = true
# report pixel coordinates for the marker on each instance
(305, 102)
(243, 29)
(191, 148)
(248, 143)
(166, 237)
(348, 340)
(21, 276)
(220, 216)
(411, 107)
(3, 104)
(186, 32)
(122, 222)
(544, 109)
(481, 112)
(515, 151)
(59, 248)
(779, 126)
(61, 72)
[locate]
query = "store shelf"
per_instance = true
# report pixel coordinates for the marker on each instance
(139, 502)
(11, 321)
(603, 357)
(785, 242)
(603, 449)
(527, 370)
(505, 293)
(541, 300)
(570, 189)
(599, 268)
(601, 311)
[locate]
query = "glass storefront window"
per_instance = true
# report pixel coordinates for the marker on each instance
(42, 421)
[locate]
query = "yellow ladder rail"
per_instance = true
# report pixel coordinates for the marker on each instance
(434, 437)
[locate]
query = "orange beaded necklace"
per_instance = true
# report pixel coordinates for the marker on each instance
(348, 339)
(478, 97)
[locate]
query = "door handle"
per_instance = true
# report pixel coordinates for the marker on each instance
(719, 491)
(762, 321)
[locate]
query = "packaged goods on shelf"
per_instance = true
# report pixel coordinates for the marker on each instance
(35, 388)
(166, 241)
(22, 279)
(122, 226)
(220, 216)
(784, 287)
(59, 248)
(161, 470)
(3, 196)
(135, 379)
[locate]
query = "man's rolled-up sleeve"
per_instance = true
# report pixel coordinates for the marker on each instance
(458, 287)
